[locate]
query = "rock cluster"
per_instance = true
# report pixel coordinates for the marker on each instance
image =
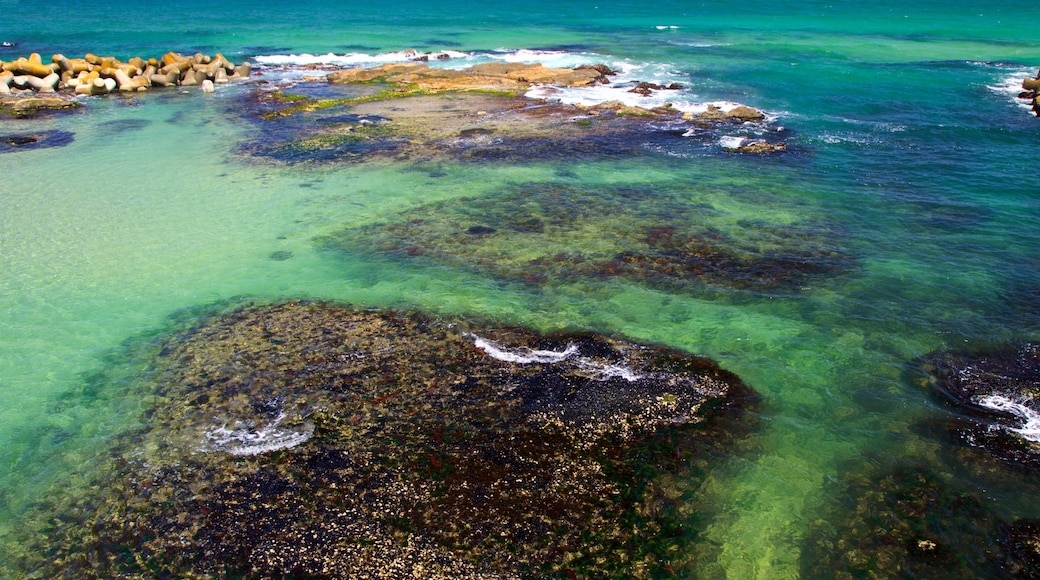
(1031, 91)
(96, 75)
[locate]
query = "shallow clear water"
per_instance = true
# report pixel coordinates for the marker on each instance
(904, 143)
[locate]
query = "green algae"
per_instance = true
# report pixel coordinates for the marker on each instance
(317, 440)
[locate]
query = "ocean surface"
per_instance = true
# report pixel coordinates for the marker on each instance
(907, 149)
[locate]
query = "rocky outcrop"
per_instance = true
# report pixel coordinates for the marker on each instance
(997, 394)
(757, 147)
(716, 114)
(313, 440)
(1031, 92)
(96, 75)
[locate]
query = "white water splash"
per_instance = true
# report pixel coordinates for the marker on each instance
(523, 355)
(246, 440)
(1030, 430)
(596, 370)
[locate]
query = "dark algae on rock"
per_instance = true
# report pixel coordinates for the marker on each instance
(905, 521)
(316, 440)
(996, 396)
(543, 233)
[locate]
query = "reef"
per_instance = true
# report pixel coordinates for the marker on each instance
(996, 396)
(314, 440)
(908, 522)
(548, 233)
(480, 114)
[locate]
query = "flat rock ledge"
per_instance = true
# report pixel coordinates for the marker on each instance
(510, 77)
(517, 78)
(997, 394)
(313, 440)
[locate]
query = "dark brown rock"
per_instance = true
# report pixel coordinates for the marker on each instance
(311, 440)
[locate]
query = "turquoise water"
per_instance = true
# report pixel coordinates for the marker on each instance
(905, 143)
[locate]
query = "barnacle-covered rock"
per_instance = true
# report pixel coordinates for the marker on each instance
(311, 440)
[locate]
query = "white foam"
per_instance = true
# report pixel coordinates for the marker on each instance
(242, 439)
(732, 142)
(667, 27)
(597, 370)
(1030, 430)
(523, 355)
(353, 58)
(1011, 85)
(603, 372)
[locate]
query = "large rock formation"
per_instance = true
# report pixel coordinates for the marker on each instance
(309, 440)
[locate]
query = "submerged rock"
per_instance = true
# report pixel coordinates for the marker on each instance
(910, 523)
(547, 233)
(1022, 545)
(39, 140)
(998, 396)
(309, 440)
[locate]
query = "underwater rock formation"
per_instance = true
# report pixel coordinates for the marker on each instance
(550, 233)
(40, 140)
(910, 523)
(311, 440)
(1021, 543)
(997, 394)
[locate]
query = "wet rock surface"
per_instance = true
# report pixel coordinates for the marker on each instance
(29, 107)
(311, 440)
(464, 126)
(996, 395)
(411, 111)
(552, 233)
